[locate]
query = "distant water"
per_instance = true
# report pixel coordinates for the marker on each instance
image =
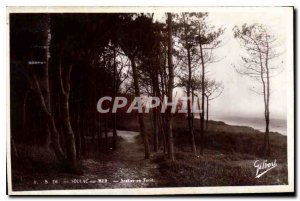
(276, 125)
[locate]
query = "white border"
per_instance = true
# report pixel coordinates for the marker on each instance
(178, 190)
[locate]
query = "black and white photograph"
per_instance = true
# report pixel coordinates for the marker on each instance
(150, 100)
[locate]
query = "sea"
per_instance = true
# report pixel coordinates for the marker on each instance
(276, 125)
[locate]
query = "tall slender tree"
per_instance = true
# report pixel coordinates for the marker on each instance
(170, 88)
(185, 32)
(259, 63)
(131, 40)
(208, 39)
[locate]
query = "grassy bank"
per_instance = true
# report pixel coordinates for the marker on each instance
(229, 155)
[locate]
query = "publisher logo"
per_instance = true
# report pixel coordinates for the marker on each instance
(263, 166)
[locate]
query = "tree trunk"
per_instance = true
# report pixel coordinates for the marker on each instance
(207, 100)
(99, 133)
(67, 128)
(192, 112)
(155, 133)
(68, 132)
(82, 133)
(48, 116)
(266, 138)
(106, 133)
(43, 79)
(140, 115)
(114, 143)
(267, 148)
(93, 111)
(162, 130)
(154, 119)
(78, 137)
(202, 102)
(170, 90)
(190, 118)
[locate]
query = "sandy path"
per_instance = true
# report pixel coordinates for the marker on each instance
(125, 167)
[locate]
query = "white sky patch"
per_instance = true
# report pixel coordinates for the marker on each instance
(237, 99)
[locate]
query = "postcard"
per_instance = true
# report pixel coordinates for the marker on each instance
(150, 100)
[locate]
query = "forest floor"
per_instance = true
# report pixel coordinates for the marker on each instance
(123, 168)
(228, 160)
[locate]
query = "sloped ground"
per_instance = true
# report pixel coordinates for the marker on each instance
(123, 168)
(228, 161)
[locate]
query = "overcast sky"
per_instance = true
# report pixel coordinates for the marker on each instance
(237, 99)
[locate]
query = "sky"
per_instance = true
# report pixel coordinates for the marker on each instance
(237, 99)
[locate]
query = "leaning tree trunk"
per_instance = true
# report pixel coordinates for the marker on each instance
(48, 116)
(140, 115)
(43, 87)
(67, 128)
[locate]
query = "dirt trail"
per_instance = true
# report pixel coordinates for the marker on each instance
(127, 168)
(123, 168)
